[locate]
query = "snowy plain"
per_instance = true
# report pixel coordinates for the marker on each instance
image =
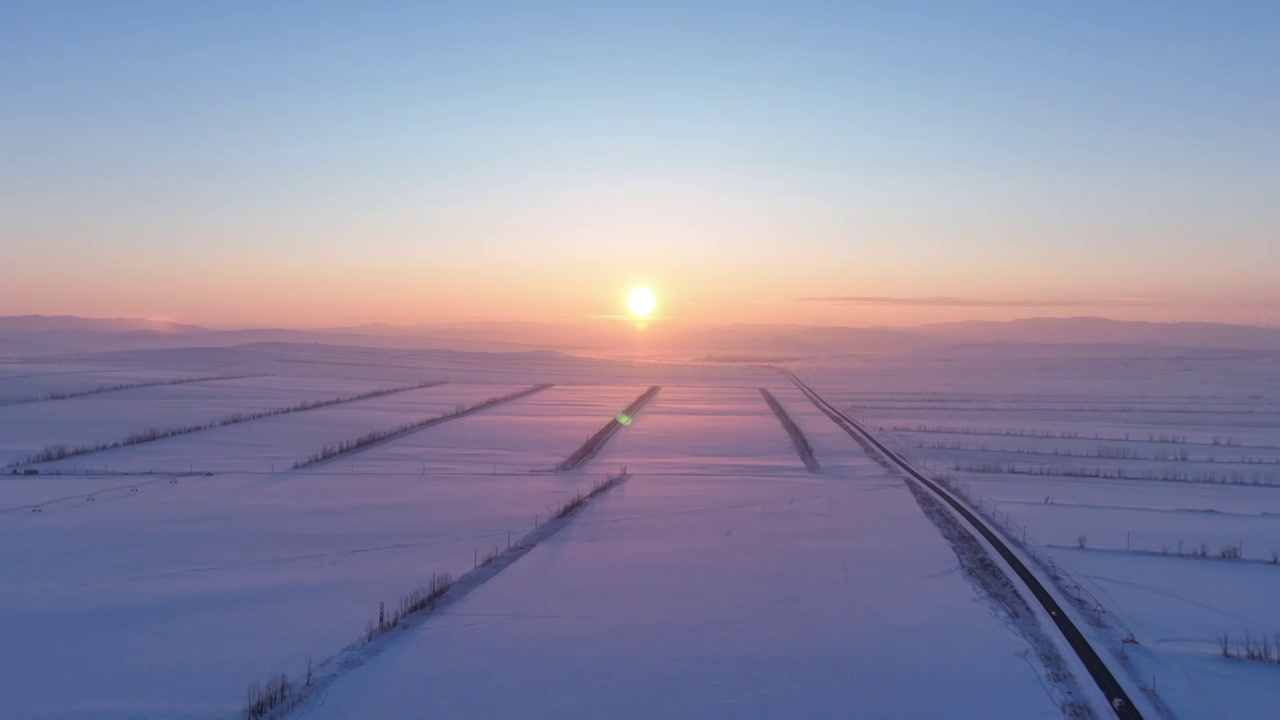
(33, 381)
(111, 416)
(282, 440)
(167, 600)
(721, 580)
(1134, 473)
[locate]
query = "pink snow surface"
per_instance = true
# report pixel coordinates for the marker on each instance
(723, 581)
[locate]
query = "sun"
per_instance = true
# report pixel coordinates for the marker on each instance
(641, 301)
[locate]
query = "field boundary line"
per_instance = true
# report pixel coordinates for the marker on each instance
(798, 440)
(429, 602)
(363, 443)
(55, 453)
(118, 387)
(596, 442)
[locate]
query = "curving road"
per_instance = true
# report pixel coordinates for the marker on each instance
(1098, 670)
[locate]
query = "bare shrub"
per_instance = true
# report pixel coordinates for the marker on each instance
(1152, 438)
(1256, 649)
(416, 600)
(569, 506)
(51, 453)
(263, 698)
(578, 500)
(1263, 648)
(1234, 477)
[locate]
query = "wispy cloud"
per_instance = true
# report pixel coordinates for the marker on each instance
(944, 301)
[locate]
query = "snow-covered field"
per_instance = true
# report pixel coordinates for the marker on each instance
(280, 441)
(722, 579)
(164, 596)
(502, 440)
(1136, 474)
(112, 416)
(36, 381)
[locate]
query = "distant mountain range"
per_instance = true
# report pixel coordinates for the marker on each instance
(1100, 330)
(43, 335)
(61, 323)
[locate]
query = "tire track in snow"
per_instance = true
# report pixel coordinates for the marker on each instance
(92, 495)
(339, 554)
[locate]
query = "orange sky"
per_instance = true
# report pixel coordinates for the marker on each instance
(512, 166)
(415, 290)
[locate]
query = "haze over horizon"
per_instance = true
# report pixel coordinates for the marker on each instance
(52, 322)
(237, 164)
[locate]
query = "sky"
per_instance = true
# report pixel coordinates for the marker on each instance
(838, 163)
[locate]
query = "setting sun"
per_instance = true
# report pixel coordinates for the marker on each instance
(641, 301)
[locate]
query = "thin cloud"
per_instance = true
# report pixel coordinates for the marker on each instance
(943, 301)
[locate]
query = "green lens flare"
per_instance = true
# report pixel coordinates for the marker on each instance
(624, 418)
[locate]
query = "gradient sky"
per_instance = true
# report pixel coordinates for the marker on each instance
(320, 163)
